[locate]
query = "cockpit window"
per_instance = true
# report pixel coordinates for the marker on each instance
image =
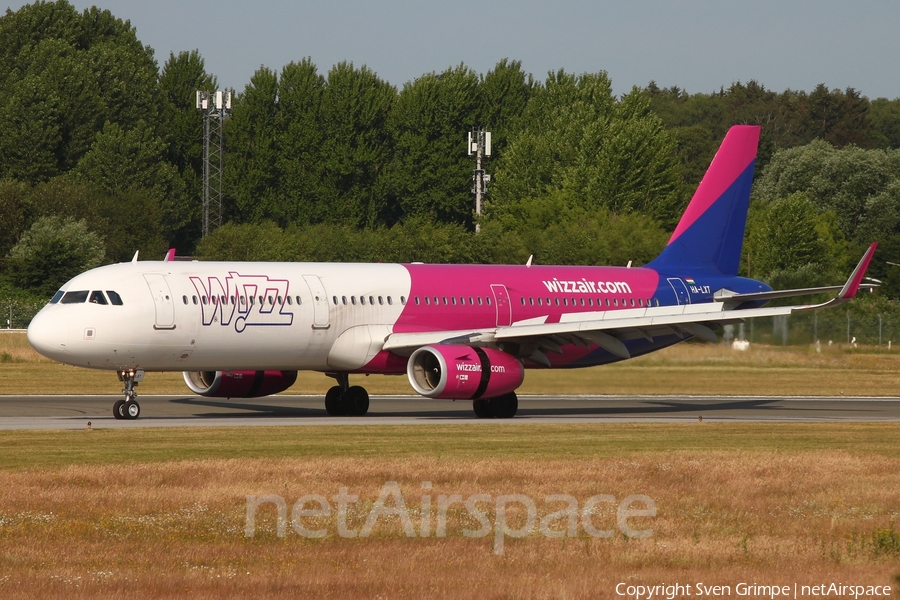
(114, 297)
(74, 297)
(97, 297)
(56, 297)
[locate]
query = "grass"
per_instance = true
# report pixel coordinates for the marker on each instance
(161, 513)
(690, 368)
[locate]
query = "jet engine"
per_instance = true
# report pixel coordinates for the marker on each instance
(239, 384)
(463, 372)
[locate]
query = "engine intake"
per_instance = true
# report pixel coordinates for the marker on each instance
(239, 384)
(463, 372)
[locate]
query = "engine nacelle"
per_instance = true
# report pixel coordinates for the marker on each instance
(463, 372)
(239, 384)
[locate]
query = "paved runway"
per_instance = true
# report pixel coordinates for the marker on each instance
(74, 412)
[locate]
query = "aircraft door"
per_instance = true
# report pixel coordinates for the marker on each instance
(320, 302)
(503, 305)
(162, 298)
(680, 289)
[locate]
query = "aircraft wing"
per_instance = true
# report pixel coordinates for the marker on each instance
(608, 329)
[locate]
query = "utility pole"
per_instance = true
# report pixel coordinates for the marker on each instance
(479, 145)
(215, 106)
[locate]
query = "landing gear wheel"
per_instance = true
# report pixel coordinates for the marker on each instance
(118, 410)
(333, 405)
(505, 407)
(132, 410)
(482, 409)
(355, 401)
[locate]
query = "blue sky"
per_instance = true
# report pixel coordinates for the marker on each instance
(698, 45)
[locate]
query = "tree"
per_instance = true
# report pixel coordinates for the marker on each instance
(300, 141)
(859, 186)
(53, 251)
(251, 169)
(575, 136)
(129, 164)
(62, 75)
(16, 209)
(182, 129)
(431, 172)
(356, 146)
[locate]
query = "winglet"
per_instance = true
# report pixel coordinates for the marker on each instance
(852, 286)
(170, 255)
(134, 258)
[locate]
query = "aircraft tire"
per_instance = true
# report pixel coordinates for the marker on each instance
(118, 411)
(506, 406)
(333, 405)
(482, 408)
(131, 410)
(355, 401)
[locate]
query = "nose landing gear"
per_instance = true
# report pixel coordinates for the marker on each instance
(128, 408)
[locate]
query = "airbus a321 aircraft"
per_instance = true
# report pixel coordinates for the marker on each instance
(464, 332)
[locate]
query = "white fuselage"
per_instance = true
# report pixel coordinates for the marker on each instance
(218, 316)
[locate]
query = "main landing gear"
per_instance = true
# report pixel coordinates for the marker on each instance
(128, 408)
(501, 407)
(346, 400)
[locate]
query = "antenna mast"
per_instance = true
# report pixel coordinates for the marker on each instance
(215, 106)
(479, 144)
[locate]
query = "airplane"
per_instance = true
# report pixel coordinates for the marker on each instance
(460, 332)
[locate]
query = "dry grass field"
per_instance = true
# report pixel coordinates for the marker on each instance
(162, 513)
(156, 513)
(689, 368)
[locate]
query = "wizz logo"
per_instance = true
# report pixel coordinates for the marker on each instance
(244, 300)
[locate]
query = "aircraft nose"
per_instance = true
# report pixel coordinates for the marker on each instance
(48, 333)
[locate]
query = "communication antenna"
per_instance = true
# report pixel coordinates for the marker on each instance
(479, 144)
(215, 106)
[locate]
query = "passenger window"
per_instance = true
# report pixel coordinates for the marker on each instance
(427, 301)
(403, 300)
(453, 300)
(362, 300)
(445, 300)
(344, 300)
(334, 298)
(417, 300)
(299, 301)
(56, 297)
(353, 300)
(471, 301)
(381, 300)
(479, 300)
(390, 301)
(97, 297)
(371, 301)
(74, 297)
(290, 301)
(488, 300)
(184, 298)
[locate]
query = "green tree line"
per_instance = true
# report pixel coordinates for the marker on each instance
(100, 156)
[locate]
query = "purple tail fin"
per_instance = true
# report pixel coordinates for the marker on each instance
(710, 235)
